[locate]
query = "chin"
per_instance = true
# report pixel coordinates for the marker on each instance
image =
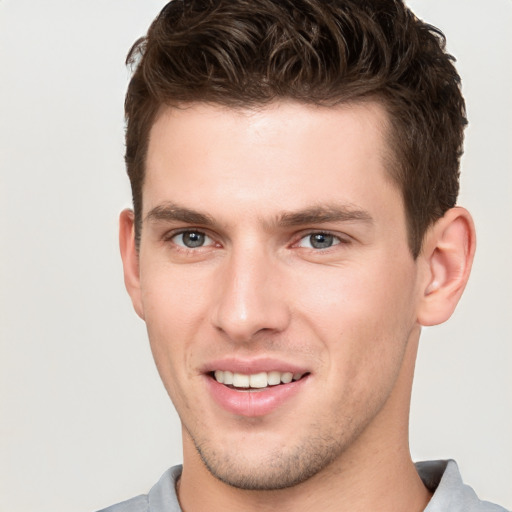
(280, 469)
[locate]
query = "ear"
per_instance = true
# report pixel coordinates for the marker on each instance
(130, 259)
(447, 256)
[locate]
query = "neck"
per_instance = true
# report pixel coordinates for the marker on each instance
(375, 473)
(382, 486)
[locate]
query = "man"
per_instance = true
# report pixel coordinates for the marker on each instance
(294, 170)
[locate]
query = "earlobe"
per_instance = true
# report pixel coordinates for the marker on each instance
(447, 254)
(130, 259)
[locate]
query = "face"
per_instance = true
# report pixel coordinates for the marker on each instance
(276, 283)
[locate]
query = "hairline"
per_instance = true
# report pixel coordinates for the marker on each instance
(390, 157)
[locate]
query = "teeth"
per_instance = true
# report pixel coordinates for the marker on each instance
(255, 380)
(274, 378)
(286, 378)
(258, 380)
(240, 380)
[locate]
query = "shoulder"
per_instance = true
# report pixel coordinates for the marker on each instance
(451, 494)
(137, 504)
(161, 498)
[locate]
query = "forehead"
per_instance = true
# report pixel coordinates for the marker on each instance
(284, 154)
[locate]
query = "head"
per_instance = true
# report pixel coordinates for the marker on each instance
(247, 54)
(294, 165)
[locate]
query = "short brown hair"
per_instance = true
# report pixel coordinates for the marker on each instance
(247, 53)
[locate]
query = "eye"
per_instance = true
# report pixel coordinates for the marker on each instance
(191, 239)
(319, 241)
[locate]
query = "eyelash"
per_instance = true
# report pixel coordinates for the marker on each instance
(169, 237)
(339, 240)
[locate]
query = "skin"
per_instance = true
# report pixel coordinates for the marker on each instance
(348, 314)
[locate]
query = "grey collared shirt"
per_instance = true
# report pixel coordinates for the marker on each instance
(440, 476)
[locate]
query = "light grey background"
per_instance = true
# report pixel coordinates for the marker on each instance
(84, 420)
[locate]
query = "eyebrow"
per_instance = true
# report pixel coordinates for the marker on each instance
(323, 214)
(171, 212)
(320, 214)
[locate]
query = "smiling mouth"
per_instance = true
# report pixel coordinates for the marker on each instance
(259, 380)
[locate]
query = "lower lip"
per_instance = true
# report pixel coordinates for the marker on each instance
(253, 402)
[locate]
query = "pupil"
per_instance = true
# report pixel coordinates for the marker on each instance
(321, 240)
(193, 239)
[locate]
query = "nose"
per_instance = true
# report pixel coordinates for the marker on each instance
(251, 296)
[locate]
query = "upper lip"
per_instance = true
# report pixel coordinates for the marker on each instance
(252, 366)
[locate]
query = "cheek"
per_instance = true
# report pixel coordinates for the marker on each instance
(362, 314)
(174, 312)
(173, 298)
(359, 293)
